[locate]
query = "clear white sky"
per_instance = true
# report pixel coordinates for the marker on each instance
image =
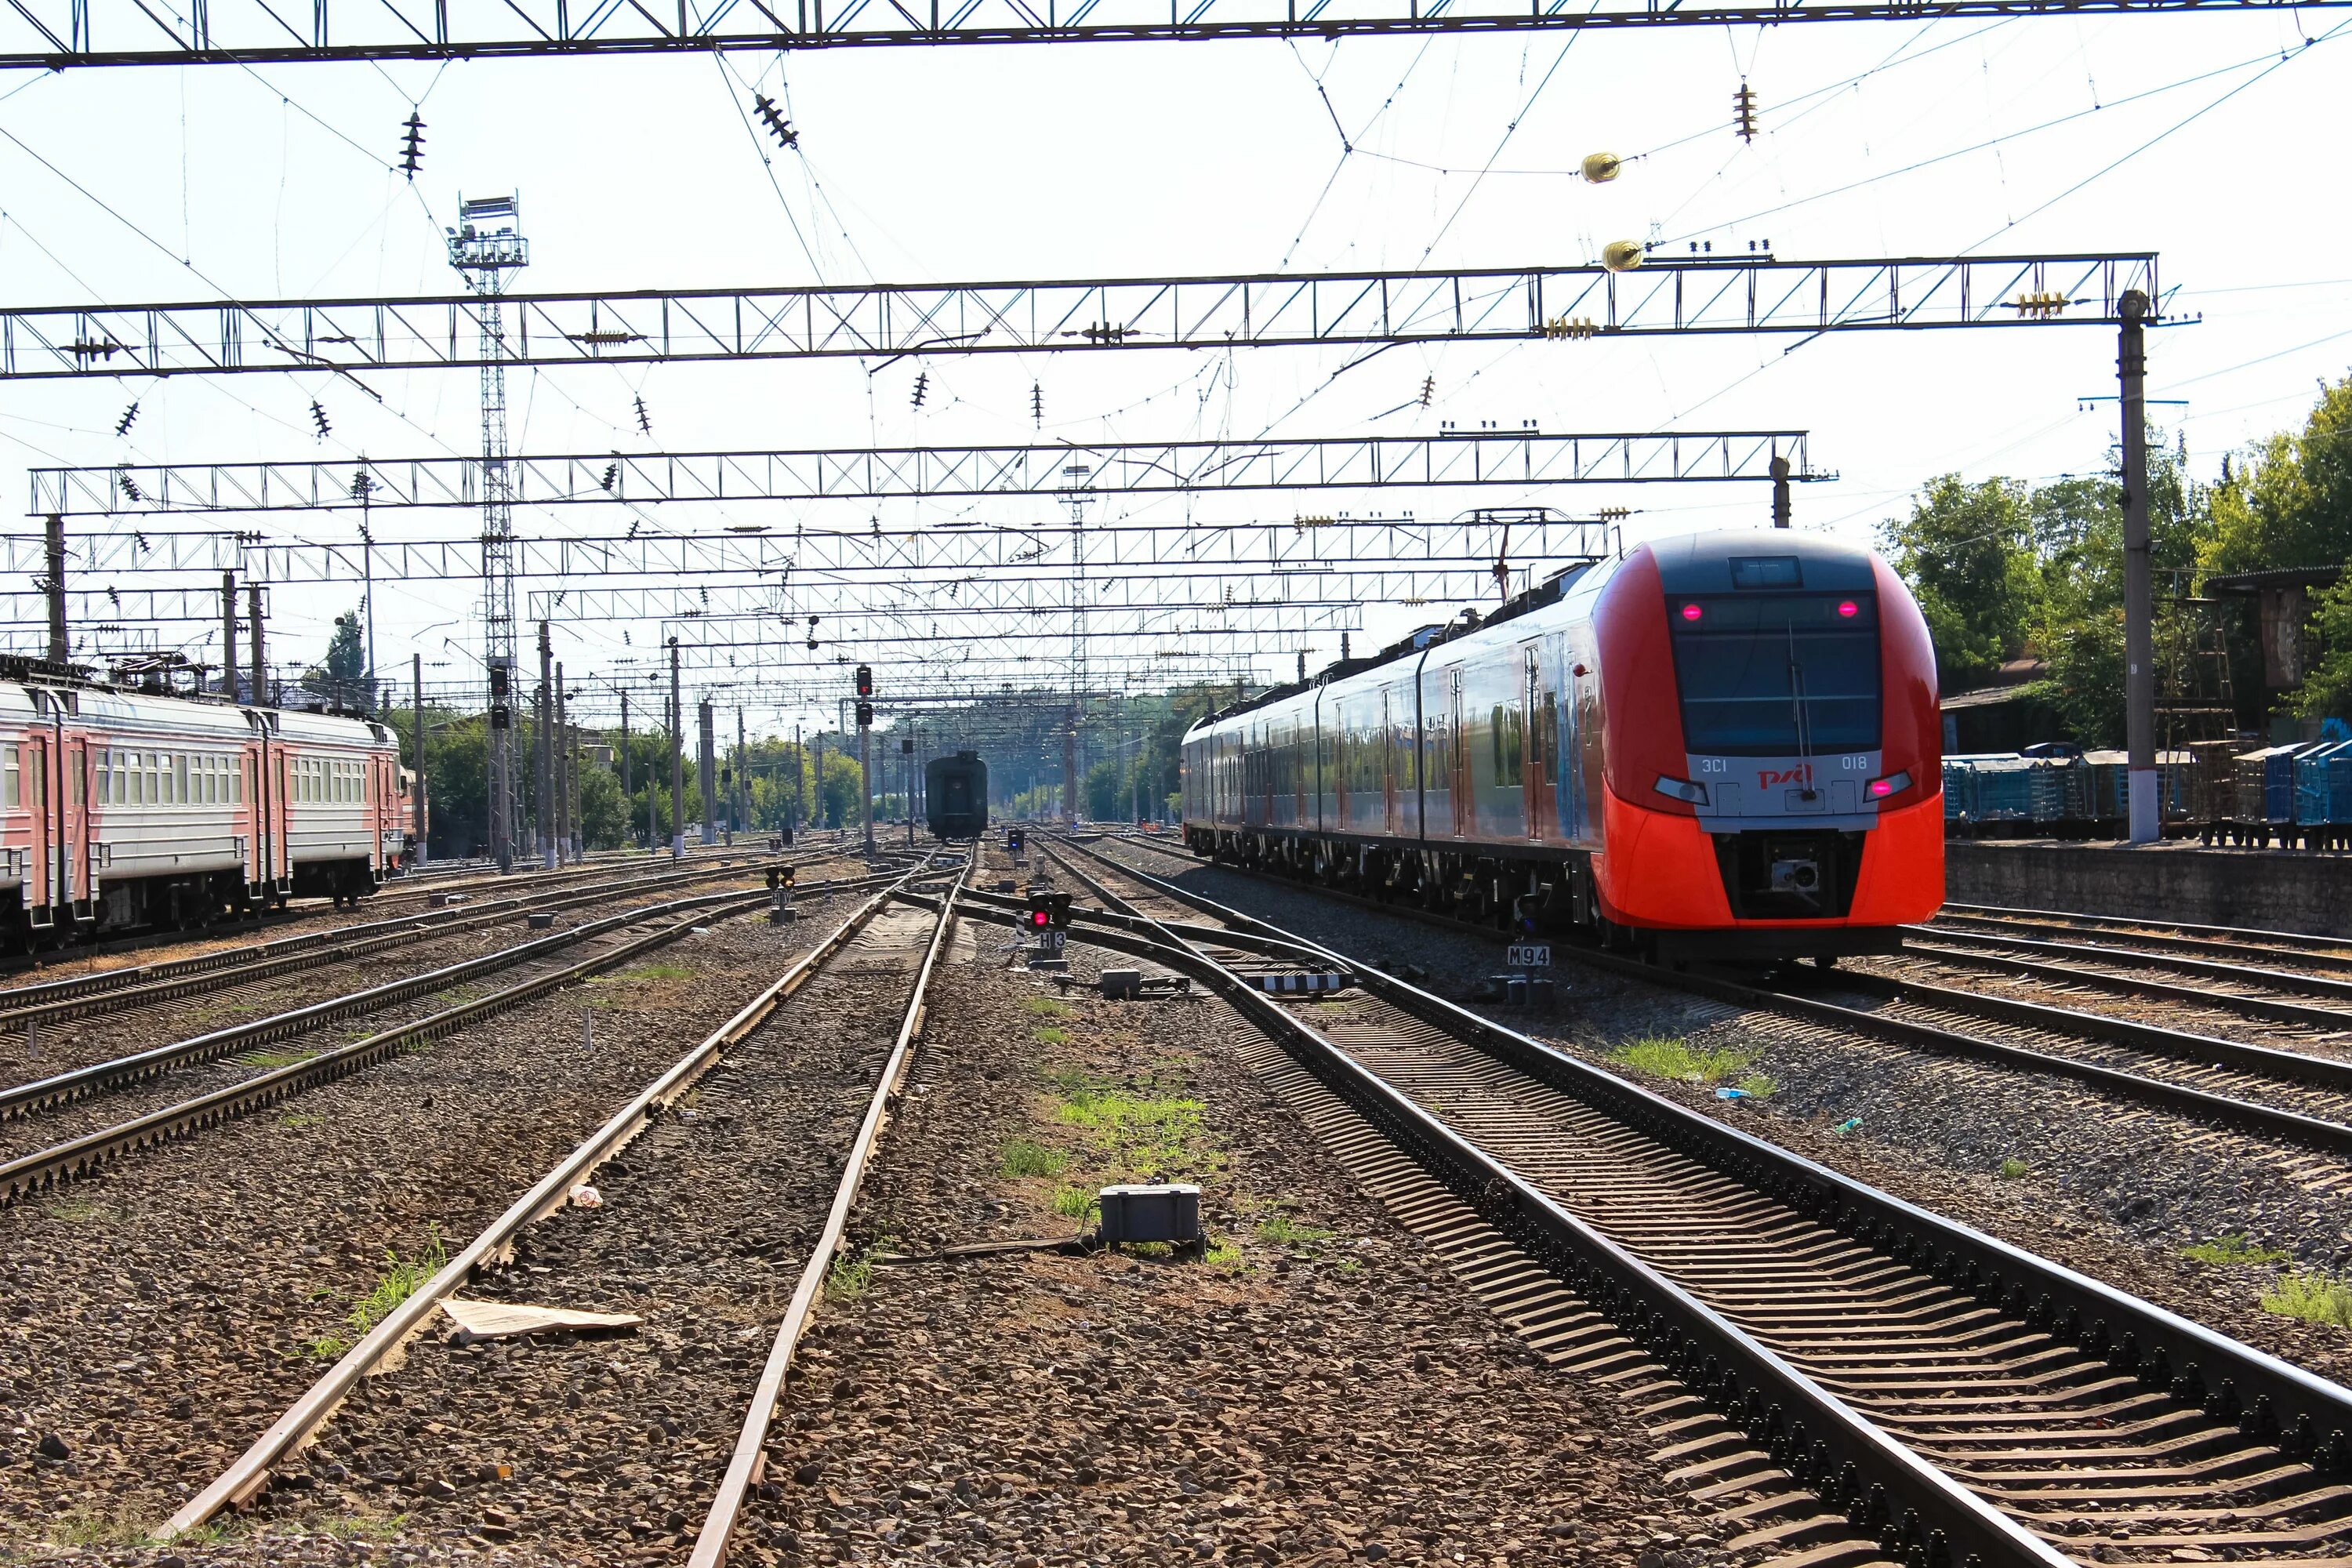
(2207, 137)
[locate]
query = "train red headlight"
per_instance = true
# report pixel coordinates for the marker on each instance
(1848, 609)
(1881, 788)
(1691, 612)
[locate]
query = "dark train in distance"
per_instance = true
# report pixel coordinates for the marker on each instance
(1716, 746)
(956, 791)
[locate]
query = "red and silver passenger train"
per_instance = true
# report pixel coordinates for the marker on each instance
(125, 808)
(1719, 746)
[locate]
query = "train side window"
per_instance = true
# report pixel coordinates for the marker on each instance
(180, 780)
(12, 783)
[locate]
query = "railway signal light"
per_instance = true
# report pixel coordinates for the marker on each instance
(1016, 838)
(865, 715)
(1743, 113)
(1049, 911)
(412, 148)
(865, 680)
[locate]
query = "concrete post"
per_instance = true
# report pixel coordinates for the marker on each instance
(2139, 589)
(228, 636)
(61, 647)
(543, 817)
(259, 678)
(416, 790)
(676, 762)
(709, 753)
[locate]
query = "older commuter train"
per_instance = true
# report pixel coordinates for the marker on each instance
(121, 808)
(1716, 746)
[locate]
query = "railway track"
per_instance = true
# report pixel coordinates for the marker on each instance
(104, 991)
(2293, 1101)
(740, 1295)
(548, 965)
(1844, 1374)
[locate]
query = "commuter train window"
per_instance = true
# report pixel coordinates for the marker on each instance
(1777, 675)
(12, 783)
(179, 780)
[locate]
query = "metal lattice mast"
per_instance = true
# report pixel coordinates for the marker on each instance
(486, 245)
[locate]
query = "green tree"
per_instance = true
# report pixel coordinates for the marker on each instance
(604, 823)
(1966, 552)
(2290, 503)
(2328, 689)
(2075, 619)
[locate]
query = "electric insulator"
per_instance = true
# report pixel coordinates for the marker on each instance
(1600, 168)
(318, 419)
(411, 149)
(1428, 389)
(1743, 113)
(1623, 255)
(130, 417)
(645, 420)
(778, 126)
(922, 385)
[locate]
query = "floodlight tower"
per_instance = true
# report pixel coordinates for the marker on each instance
(485, 246)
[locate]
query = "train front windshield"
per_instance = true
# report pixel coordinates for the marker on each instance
(1777, 675)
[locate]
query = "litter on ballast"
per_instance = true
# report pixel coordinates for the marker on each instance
(478, 1320)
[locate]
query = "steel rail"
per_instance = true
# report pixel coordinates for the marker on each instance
(2123, 924)
(1887, 1490)
(2305, 1415)
(20, 1100)
(2270, 1009)
(747, 1461)
(140, 985)
(250, 1473)
(2066, 939)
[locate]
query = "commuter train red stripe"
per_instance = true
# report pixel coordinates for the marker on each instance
(1717, 746)
(121, 808)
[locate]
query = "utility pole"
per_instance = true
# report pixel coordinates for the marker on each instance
(544, 818)
(628, 813)
(260, 663)
(486, 245)
(367, 575)
(677, 763)
(800, 762)
(707, 737)
(567, 825)
(60, 648)
(1781, 509)
(228, 636)
(2139, 600)
(816, 805)
(416, 788)
(743, 775)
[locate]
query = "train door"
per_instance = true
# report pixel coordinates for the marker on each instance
(40, 853)
(81, 884)
(1571, 765)
(1540, 704)
(1390, 753)
(1457, 760)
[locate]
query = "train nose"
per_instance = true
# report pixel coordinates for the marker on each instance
(1796, 876)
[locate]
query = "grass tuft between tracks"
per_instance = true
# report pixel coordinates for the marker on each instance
(1682, 1062)
(402, 1277)
(1027, 1157)
(2235, 1248)
(2311, 1295)
(2012, 1169)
